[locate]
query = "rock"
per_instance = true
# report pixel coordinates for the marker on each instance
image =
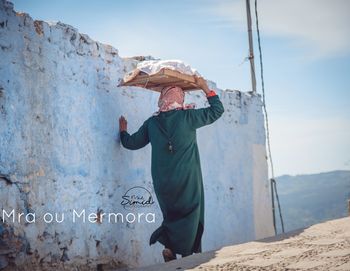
(3, 261)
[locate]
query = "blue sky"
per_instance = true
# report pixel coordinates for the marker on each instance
(306, 53)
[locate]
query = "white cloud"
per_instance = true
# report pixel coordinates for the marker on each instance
(321, 25)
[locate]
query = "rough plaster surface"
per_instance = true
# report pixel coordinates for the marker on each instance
(60, 151)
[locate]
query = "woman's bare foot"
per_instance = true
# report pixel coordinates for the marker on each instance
(168, 255)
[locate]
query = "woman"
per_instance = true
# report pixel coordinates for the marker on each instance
(176, 169)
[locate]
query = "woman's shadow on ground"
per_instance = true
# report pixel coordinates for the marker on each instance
(212, 257)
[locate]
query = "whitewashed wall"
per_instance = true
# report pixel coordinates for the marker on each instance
(60, 151)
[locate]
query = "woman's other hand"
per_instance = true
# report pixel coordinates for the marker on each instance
(122, 124)
(202, 83)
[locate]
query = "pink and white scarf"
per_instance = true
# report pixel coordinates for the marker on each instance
(171, 98)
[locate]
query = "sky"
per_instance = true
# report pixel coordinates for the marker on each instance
(306, 57)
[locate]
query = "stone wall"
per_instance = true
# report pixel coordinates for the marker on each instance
(60, 153)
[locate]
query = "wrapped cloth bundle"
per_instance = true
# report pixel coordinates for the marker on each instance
(157, 74)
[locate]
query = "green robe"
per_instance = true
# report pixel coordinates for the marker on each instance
(177, 176)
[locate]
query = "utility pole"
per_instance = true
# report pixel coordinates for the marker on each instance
(251, 50)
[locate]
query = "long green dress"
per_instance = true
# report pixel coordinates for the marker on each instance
(176, 174)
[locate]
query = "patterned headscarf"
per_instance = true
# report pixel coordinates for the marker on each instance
(171, 98)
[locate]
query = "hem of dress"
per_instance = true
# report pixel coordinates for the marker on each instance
(159, 235)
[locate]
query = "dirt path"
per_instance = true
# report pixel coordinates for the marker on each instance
(324, 246)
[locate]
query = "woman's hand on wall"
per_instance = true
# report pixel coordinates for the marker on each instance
(122, 124)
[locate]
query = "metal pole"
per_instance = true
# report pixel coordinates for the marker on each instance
(251, 50)
(273, 206)
(279, 206)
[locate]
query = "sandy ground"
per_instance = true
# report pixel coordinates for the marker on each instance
(324, 246)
